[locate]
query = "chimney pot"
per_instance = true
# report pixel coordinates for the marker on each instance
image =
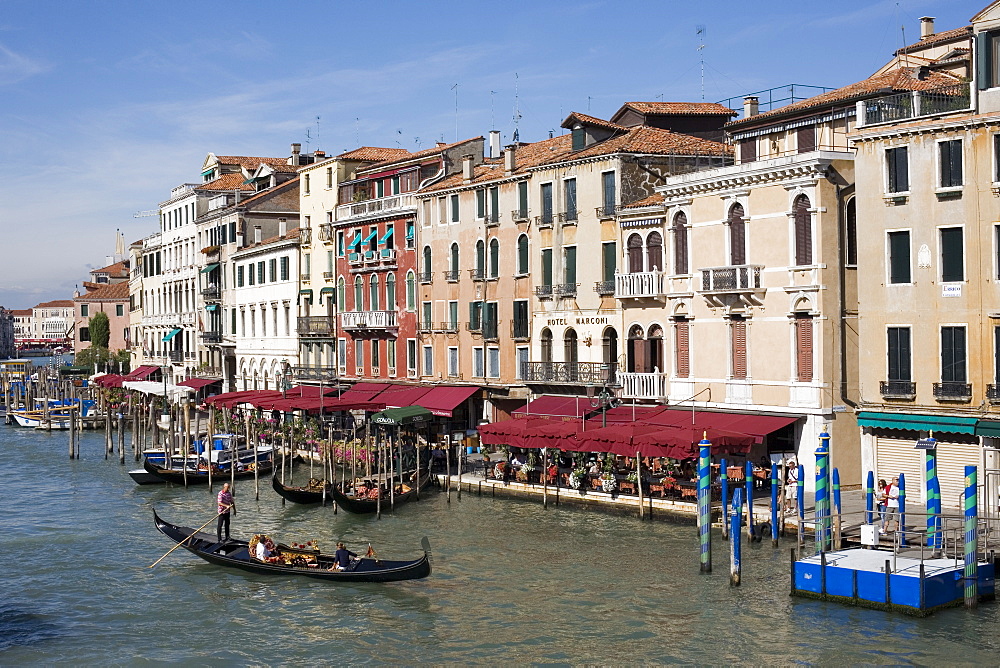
(256, 234)
(282, 227)
(751, 106)
(319, 155)
(494, 143)
(295, 160)
(467, 168)
(509, 163)
(926, 26)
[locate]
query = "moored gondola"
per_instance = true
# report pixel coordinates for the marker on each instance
(311, 493)
(200, 476)
(352, 503)
(307, 563)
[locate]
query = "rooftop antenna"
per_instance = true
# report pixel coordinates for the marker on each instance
(517, 111)
(455, 88)
(701, 53)
(399, 143)
(357, 132)
(308, 138)
(902, 31)
(317, 130)
(588, 104)
(493, 115)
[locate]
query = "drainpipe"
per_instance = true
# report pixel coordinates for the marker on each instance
(841, 229)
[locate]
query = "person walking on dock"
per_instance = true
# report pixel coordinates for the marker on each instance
(226, 506)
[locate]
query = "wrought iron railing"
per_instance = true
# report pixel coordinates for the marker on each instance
(211, 337)
(735, 277)
(518, 215)
(898, 389)
(426, 276)
(544, 220)
(565, 289)
(478, 274)
(993, 393)
(176, 356)
(954, 391)
(322, 373)
(577, 373)
(316, 325)
(211, 292)
(543, 291)
(604, 288)
(606, 211)
(914, 104)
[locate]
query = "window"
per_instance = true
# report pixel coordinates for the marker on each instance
(284, 267)
(654, 252)
(569, 265)
(494, 212)
(84, 310)
(897, 170)
(738, 342)
(682, 355)
(305, 183)
(737, 235)
(634, 253)
(803, 230)
(803, 348)
(373, 294)
(480, 259)
(427, 262)
(952, 256)
(520, 327)
(84, 334)
(480, 204)
(950, 160)
(851, 231)
(428, 360)
(522, 362)
(119, 310)
(341, 293)
(260, 272)
(806, 137)
(953, 355)
(996, 158)
(898, 345)
(899, 257)
(390, 355)
(390, 294)
(329, 177)
(340, 243)
(579, 138)
(494, 258)
(748, 150)
(359, 355)
(569, 196)
(609, 261)
(546, 199)
(453, 316)
(478, 363)
(442, 211)
(411, 291)
(454, 208)
(454, 262)
(359, 293)
(272, 269)
(492, 362)
(988, 60)
(475, 316)
(547, 267)
(380, 188)
(608, 191)
(490, 320)
(342, 355)
(250, 275)
(680, 234)
(453, 362)
(375, 353)
(522, 199)
(329, 262)
(571, 350)
(425, 318)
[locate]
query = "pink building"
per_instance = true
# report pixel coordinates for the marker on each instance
(112, 299)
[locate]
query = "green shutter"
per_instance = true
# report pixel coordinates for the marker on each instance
(984, 73)
(522, 255)
(547, 266)
(480, 204)
(610, 260)
(522, 198)
(952, 260)
(570, 265)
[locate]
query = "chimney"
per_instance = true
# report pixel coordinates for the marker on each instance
(239, 240)
(926, 26)
(509, 163)
(282, 227)
(319, 155)
(466, 168)
(751, 106)
(296, 150)
(256, 234)
(494, 143)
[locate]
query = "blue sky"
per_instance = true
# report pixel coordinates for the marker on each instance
(105, 106)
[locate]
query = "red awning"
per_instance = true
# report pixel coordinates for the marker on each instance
(624, 414)
(316, 405)
(400, 396)
(509, 432)
(550, 404)
(142, 373)
(198, 383)
(553, 434)
(444, 399)
(109, 380)
(757, 426)
(310, 391)
(364, 391)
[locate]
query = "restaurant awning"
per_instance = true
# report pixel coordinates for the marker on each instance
(198, 383)
(623, 414)
(444, 399)
(757, 426)
(363, 391)
(172, 334)
(915, 422)
(210, 267)
(142, 372)
(398, 396)
(406, 415)
(561, 406)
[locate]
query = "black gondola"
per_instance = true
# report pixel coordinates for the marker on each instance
(200, 476)
(236, 554)
(367, 506)
(310, 494)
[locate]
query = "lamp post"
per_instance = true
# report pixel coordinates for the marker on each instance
(285, 369)
(604, 400)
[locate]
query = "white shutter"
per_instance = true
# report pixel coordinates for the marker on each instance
(952, 459)
(894, 456)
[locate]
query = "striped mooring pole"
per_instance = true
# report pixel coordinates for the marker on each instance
(902, 509)
(704, 504)
(933, 495)
(836, 509)
(774, 505)
(800, 506)
(971, 538)
(736, 541)
(870, 498)
(724, 483)
(823, 494)
(748, 480)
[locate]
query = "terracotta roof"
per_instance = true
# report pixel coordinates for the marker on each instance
(419, 154)
(374, 154)
(269, 192)
(938, 38)
(591, 120)
(117, 270)
(250, 162)
(652, 200)
(117, 291)
(20, 312)
(58, 303)
(679, 108)
(226, 182)
(290, 234)
(899, 80)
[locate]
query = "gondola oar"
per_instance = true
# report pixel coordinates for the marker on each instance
(186, 539)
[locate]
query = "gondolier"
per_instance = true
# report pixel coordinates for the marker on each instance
(226, 506)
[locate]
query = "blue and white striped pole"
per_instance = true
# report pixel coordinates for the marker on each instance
(704, 507)
(933, 494)
(724, 482)
(902, 509)
(748, 480)
(822, 494)
(774, 505)
(800, 504)
(971, 552)
(836, 509)
(870, 498)
(735, 543)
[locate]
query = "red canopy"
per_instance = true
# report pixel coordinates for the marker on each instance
(627, 439)
(310, 391)
(364, 391)
(624, 414)
(757, 426)
(549, 404)
(142, 372)
(109, 380)
(553, 434)
(509, 432)
(400, 396)
(444, 399)
(198, 383)
(318, 404)
(230, 399)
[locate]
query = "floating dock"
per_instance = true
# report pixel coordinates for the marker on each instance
(887, 581)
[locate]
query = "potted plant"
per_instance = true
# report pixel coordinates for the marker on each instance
(577, 476)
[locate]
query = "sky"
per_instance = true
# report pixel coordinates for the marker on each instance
(105, 106)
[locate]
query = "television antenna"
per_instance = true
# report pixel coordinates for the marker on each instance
(517, 110)
(146, 214)
(701, 53)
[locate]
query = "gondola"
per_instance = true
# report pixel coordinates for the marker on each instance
(200, 476)
(236, 554)
(310, 494)
(366, 506)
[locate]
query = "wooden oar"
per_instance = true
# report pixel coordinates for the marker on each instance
(185, 540)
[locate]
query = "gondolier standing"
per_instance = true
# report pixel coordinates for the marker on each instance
(226, 506)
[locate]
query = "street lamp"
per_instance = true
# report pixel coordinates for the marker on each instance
(604, 400)
(285, 368)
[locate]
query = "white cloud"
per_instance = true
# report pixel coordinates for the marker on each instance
(14, 67)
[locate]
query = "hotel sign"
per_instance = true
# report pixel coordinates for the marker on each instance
(578, 320)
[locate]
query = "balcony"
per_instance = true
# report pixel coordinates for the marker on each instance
(569, 373)
(478, 274)
(326, 374)
(604, 288)
(605, 212)
(305, 236)
(446, 326)
(451, 275)
(952, 391)
(426, 276)
(719, 285)
(324, 233)
(176, 356)
(993, 393)
(425, 326)
(211, 337)
(375, 206)
(211, 292)
(493, 219)
(368, 319)
(565, 290)
(544, 220)
(327, 275)
(635, 385)
(915, 104)
(543, 291)
(210, 372)
(388, 256)
(305, 278)
(356, 258)
(641, 285)
(520, 215)
(316, 325)
(568, 218)
(898, 389)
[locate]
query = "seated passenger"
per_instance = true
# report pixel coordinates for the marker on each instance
(342, 558)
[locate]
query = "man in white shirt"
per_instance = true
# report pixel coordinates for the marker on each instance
(892, 506)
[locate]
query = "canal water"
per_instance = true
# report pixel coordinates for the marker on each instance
(512, 583)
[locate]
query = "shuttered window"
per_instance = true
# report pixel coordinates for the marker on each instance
(475, 313)
(480, 204)
(682, 352)
(950, 154)
(996, 356)
(522, 199)
(851, 242)
(609, 259)
(737, 235)
(898, 170)
(569, 264)
(654, 251)
(494, 204)
(480, 257)
(803, 231)
(899, 257)
(454, 260)
(898, 345)
(570, 196)
(494, 258)
(803, 348)
(953, 355)
(738, 338)
(608, 190)
(520, 319)
(748, 150)
(546, 266)
(806, 138)
(952, 255)
(454, 209)
(634, 254)
(522, 254)
(680, 244)
(546, 193)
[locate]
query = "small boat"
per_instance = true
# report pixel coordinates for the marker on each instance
(306, 562)
(199, 476)
(353, 504)
(59, 412)
(311, 493)
(144, 477)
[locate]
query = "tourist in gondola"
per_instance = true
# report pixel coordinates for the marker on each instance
(342, 558)
(226, 506)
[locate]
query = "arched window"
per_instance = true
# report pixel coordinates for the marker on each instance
(522, 254)
(803, 231)
(546, 340)
(494, 258)
(851, 243)
(480, 258)
(411, 291)
(454, 261)
(654, 252)
(635, 350)
(571, 353)
(654, 349)
(359, 293)
(427, 261)
(737, 235)
(680, 244)
(390, 292)
(634, 254)
(341, 294)
(373, 293)
(609, 352)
